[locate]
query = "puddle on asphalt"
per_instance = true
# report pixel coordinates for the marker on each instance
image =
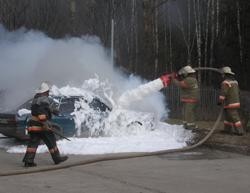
(200, 154)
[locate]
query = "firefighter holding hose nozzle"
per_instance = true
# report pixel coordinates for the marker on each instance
(189, 95)
(39, 127)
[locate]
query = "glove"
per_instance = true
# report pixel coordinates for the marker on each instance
(166, 79)
(173, 75)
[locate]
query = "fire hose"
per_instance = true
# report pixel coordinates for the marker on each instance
(208, 68)
(120, 156)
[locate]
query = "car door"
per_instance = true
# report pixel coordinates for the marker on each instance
(65, 118)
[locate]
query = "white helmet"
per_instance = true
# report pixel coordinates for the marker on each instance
(227, 70)
(186, 70)
(44, 87)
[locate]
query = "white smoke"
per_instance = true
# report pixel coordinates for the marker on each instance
(29, 57)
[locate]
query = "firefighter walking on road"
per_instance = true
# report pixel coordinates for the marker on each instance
(189, 95)
(229, 97)
(38, 127)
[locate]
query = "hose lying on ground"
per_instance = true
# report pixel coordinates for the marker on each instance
(120, 156)
(114, 156)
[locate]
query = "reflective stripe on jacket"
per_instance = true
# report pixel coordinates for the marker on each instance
(35, 129)
(186, 100)
(35, 125)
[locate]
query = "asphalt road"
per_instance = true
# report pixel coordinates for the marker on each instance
(198, 171)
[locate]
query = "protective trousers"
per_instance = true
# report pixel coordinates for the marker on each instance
(35, 138)
(189, 115)
(232, 121)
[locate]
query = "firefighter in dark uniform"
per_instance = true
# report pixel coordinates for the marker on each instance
(229, 97)
(38, 127)
(189, 95)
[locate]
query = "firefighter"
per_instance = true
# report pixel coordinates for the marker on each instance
(38, 127)
(189, 95)
(229, 97)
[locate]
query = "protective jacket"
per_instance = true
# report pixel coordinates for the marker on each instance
(189, 90)
(230, 94)
(41, 112)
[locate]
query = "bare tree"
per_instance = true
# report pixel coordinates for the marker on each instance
(207, 33)
(212, 33)
(239, 32)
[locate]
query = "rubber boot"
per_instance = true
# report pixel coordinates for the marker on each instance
(57, 158)
(227, 129)
(29, 159)
(238, 131)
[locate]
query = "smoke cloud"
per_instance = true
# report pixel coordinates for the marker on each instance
(29, 57)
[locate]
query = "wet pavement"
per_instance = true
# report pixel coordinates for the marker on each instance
(205, 169)
(199, 154)
(200, 170)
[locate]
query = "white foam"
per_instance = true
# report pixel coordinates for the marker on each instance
(166, 137)
(22, 112)
(122, 130)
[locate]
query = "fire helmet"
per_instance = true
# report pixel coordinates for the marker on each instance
(44, 87)
(186, 70)
(227, 70)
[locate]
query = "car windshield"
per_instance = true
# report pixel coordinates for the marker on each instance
(67, 104)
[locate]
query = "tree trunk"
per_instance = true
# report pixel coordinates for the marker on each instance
(170, 44)
(198, 32)
(239, 32)
(217, 17)
(212, 34)
(189, 34)
(207, 33)
(156, 46)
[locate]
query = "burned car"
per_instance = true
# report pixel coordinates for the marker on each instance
(79, 116)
